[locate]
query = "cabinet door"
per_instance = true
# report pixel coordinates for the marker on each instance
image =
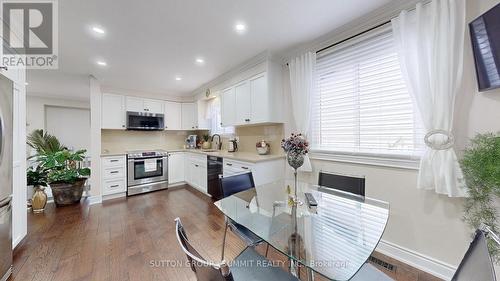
(243, 103)
(260, 99)
(135, 104)
(175, 168)
(188, 116)
(187, 170)
(153, 106)
(173, 116)
(202, 179)
(228, 110)
(113, 111)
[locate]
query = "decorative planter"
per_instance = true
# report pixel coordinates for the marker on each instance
(206, 145)
(67, 193)
(39, 199)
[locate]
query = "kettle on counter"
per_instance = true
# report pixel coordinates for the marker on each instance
(232, 145)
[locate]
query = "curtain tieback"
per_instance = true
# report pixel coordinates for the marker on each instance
(446, 141)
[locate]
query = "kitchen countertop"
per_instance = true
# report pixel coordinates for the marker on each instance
(252, 157)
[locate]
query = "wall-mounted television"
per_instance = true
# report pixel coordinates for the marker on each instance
(485, 36)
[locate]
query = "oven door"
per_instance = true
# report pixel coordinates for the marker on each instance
(147, 170)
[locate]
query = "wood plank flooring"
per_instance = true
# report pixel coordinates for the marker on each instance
(128, 239)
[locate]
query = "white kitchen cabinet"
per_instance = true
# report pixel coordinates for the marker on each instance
(263, 172)
(113, 112)
(243, 102)
(189, 116)
(176, 167)
(153, 106)
(173, 115)
(260, 105)
(228, 110)
(196, 171)
(114, 174)
(136, 104)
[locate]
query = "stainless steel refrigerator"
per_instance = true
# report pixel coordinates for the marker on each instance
(6, 93)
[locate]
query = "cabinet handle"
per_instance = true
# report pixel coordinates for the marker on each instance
(246, 168)
(229, 164)
(114, 160)
(113, 172)
(123, 126)
(4, 68)
(115, 185)
(196, 165)
(247, 120)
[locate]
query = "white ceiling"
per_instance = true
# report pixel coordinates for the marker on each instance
(148, 43)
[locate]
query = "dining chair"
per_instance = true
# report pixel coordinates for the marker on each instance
(355, 185)
(248, 265)
(231, 185)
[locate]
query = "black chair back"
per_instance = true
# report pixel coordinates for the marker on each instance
(236, 183)
(344, 183)
(477, 263)
(204, 270)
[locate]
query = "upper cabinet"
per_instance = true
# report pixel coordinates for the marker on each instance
(136, 104)
(189, 116)
(173, 115)
(257, 99)
(113, 112)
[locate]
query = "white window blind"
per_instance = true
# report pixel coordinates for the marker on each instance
(362, 105)
(213, 113)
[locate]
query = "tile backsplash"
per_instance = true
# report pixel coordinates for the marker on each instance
(120, 141)
(250, 135)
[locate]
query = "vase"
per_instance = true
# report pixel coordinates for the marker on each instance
(67, 193)
(39, 199)
(295, 160)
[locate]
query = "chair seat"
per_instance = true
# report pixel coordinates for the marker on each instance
(244, 233)
(251, 266)
(369, 272)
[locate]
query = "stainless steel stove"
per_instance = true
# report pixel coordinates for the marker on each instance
(146, 171)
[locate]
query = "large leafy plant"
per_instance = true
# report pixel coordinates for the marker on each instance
(481, 168)
(44, 143)
(36, 177)
(63, 166)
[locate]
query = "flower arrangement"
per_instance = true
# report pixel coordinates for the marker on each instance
(295, 144)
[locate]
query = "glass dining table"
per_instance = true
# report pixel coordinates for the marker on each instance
(334, 239)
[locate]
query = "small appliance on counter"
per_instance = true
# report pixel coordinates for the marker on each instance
(191, 141)
(232, 145)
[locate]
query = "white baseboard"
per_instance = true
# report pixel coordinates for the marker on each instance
(425, 263)
(114, 196)
(94, 200)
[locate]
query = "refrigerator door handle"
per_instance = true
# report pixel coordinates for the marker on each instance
(5, 202)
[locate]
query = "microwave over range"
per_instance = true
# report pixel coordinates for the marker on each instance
(145, 121)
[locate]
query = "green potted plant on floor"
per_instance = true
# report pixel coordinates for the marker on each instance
(65, 175)
(481, 167)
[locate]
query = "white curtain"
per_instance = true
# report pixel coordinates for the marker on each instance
(430, 44)
(301, 92)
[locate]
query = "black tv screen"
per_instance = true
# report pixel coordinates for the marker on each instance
(485, 35)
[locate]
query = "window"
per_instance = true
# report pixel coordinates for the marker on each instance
(213, 114)
(362, 105)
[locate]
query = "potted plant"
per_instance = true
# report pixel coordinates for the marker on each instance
(206, 142)
(481, 168)
(37, 178)
(65, 175)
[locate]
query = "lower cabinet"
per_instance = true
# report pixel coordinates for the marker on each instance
(176, 167)
(196, 171)
(263, 172)
(114, 174)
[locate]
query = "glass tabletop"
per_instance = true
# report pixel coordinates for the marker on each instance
(334, 239)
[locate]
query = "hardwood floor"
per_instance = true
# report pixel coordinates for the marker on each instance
(126, 239)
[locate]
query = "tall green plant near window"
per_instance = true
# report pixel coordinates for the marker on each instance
(481, 168)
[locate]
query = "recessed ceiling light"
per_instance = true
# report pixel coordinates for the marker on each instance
(101, 63)
(98, 30)
(200, 60)
(26, 83)
(178, 78)
(240, 27)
